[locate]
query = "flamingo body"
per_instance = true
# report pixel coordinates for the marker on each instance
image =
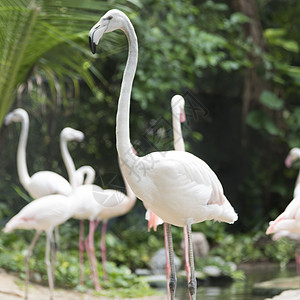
(42, 214)
(86, 206)
(41, 183)
(289, 220)
(45, 183)
(181, 189)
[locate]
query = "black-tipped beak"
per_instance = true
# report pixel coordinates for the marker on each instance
(92, 45)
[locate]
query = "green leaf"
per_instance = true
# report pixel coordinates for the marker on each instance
(258, 119)
(270, 100)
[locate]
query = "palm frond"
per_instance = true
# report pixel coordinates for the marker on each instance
(49, 37)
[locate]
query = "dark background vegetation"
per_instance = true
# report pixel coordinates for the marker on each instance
(237, 60)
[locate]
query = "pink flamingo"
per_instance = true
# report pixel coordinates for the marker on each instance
(293, 155)
(41, 183)
(43, 214)
(176, 185)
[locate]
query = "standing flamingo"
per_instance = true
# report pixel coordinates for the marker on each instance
(76, 178)
(43, 214)
(178, 117)
(293, 155)
(111, 204)
(41, 183)
(88, 208)
(176, 185)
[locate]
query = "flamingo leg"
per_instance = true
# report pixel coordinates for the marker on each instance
(90, 248)
(81, 252)
(103, 249)
(49, 265)
(193, 282)
(29, 252)
(297, 258)
(173, 279)
(168, 270)
(56, 237)
(186, 256)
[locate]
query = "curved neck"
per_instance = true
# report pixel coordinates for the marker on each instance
(68, 162)
(122, 123)
(177, 132)
(89, 174)
(21, 155)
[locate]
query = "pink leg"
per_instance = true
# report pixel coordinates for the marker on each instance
(103, 249)
(186, 256)
(168, 268)
(35, 238)
(81, 252)
(90, 248)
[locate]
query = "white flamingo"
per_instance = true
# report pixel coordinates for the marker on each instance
(178, 117)
(96, 204)
(43, 214)
(76, 179)
(41, 183)
(113, 203)
(176, 185)
(293, 155)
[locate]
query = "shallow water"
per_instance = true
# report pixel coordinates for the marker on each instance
(238, 290)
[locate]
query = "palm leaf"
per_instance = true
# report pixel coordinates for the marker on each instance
(48, 39)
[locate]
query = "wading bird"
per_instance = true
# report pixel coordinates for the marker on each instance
(176, 185)
(42, 214)
(96, 204)
(41, 183)
(83, 175)
(178, 117)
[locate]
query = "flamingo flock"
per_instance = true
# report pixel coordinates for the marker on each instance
(179, 189)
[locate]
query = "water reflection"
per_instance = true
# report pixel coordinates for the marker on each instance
(238, 290)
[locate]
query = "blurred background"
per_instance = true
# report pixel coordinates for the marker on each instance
(235, 62)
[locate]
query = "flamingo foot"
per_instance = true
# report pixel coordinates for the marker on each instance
(192, 286)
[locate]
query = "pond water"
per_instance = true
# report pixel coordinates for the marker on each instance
(238, 290)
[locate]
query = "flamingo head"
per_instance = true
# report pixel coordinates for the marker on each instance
(293, 155)
(177, 104)
(114, 19)
(70, 134)
(18, 115)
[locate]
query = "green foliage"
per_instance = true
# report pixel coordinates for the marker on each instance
(281, 251)
(43, 40)
(270, 100)
(122, 282)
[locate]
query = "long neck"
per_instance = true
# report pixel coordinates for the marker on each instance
(129, 192)
(21, 156)
(298, 178)
(68, 162)
(89, 172)
(177, 132)
(122, 123)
